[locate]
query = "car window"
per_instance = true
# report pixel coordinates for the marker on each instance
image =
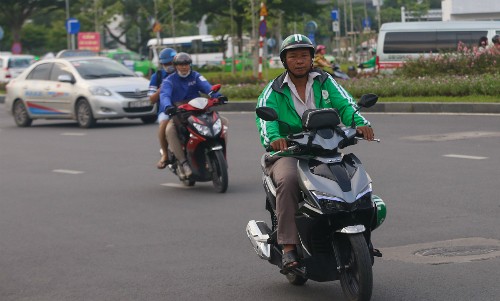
(19, 62)
(93, 69)
(122, 56)
(40, 72)
(1, 63)
(59, 69)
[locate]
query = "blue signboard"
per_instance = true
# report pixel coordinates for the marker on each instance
(262, 28)
(367, 23)
(335, 15)
(72, 26)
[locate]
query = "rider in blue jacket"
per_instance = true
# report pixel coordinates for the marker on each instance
(166, 59)
(180, 87)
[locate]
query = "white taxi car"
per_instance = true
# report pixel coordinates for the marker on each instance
(85, 89)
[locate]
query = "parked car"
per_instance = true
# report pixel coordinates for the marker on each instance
(132, 60)
(11, 65)
(85, 89)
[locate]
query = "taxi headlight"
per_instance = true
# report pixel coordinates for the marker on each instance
(202, 129)
(101, 91)
(217, 127)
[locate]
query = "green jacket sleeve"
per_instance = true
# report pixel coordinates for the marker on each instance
(268, 130)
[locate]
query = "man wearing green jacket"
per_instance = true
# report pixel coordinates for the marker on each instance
(299, 88)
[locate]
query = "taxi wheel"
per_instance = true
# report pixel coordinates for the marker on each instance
(21, 116)
(84, 115)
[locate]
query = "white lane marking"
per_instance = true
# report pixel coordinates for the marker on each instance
(453, 136)
(464, 157)
(68, 171)
(73, 134)
(175, 185)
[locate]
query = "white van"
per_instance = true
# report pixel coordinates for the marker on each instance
(398, 42)
(11, 65)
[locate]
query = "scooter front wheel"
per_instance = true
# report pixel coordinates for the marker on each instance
(356, 275)
(220, 178)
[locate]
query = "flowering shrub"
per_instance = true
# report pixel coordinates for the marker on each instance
(465, 61)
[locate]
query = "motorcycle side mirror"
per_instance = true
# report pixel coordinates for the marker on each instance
(368, 100)
(266, 113)
(215, 88)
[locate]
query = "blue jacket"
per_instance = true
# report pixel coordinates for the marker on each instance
(153, 83)
(178, 89)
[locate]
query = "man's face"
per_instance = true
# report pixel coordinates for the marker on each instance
(298, 61)
(183, 69)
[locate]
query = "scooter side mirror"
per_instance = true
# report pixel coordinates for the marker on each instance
(215, 88)
(368, 100)
(266, 113)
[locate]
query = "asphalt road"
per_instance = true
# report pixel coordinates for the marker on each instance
(85, 215)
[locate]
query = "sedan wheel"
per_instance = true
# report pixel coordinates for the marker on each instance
(84, 115)
(21, 116)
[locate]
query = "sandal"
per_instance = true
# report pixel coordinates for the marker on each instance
(162, 164)
(289, 260)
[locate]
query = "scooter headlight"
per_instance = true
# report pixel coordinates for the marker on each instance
(202, 129)
(217, 127)
(330, 203)
(364, 198)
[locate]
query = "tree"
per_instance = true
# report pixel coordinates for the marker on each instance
(14, 13)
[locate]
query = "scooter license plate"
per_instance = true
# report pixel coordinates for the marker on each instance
(139, 103)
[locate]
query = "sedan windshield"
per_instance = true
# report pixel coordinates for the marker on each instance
(105, 68)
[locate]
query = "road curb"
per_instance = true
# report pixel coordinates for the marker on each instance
(387, 107)
(393, 107)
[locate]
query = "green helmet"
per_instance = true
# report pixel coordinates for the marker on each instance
(295, 41)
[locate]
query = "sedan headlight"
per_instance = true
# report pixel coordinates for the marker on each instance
(202, 129)
(217, 127)
(101, 91)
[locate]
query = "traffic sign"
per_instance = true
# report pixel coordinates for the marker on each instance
(335, 26)
(16, 48)
(72, 26)
(335, 15)
(262, 28)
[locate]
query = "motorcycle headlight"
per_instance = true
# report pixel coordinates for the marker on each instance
(217, 127)
(364, 198)
(202, 129)
(330, 203)
(101, 91)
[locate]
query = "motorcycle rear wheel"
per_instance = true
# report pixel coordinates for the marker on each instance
(356, 277)
(219, 171)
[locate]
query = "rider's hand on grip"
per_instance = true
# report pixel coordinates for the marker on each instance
(170, 110)
(279, 144)
(222, 99)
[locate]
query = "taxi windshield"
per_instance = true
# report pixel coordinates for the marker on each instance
(105, 68)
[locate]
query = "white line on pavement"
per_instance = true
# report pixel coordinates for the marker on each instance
(68, 171)
(464, 157)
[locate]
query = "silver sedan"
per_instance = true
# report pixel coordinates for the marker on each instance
(84, 89)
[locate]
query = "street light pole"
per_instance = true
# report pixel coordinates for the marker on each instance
(67, 17)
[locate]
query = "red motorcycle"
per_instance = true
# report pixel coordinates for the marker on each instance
(203, 134)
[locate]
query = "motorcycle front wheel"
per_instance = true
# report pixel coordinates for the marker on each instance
(356, 275)
(219, 171)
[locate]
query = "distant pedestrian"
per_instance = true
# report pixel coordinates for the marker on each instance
(483, 44)
(495, 49)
